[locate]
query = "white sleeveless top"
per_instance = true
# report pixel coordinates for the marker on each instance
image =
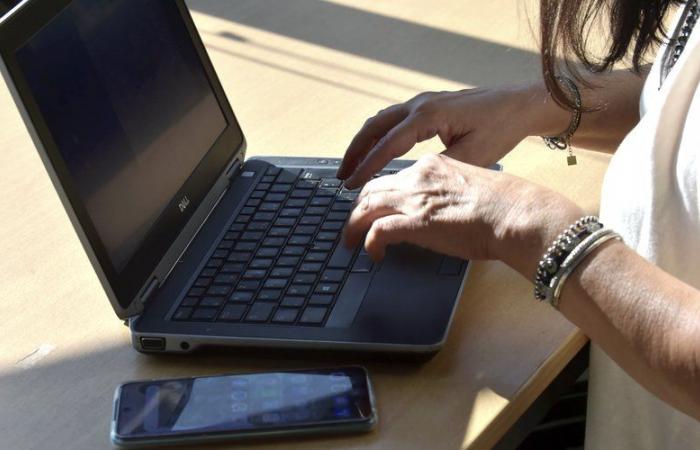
(650, 196)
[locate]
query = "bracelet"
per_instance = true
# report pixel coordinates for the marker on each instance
(566, 253)
(563, 141)
(580, 253)
(560, 249)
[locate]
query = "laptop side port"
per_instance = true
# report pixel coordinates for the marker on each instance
(153, 344)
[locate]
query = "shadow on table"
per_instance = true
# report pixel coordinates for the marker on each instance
(413, 46)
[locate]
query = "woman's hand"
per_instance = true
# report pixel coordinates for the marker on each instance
(460, 210)
(477, 126)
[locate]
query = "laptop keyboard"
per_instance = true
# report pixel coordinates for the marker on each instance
(282, 260)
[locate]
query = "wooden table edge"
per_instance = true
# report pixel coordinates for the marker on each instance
(529, 392)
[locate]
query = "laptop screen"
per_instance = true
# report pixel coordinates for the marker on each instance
(129, 106)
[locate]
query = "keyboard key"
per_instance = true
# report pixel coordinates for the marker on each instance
(285, 222)
(325, 193)
(275, 197)
(232, 235)
(321, 300)
(273, 242)
(321, 246)
(212, 301)
(296, 203)
(327, 236)
(288, 261)
(313, 315)
(207, 272)
(341, 257)
(327, 288)
(196, 291)
(320, 201)
(260, 263)
(293, 250)
(247, 211)
(337, 216)
(269, 206)
(267, 252)
(267, 179)
(232, 313)
(304, 278)
(254, 274)
(332, 226)
(245, 246)
(310, 267)
(279, 231)
(298, 290)
(301, 193)
(248, 285)
(316, 210)
(226, 245)
(242, 219)
(257, 194)
(290, 212)
(297, 239)
(295, 302)
(363, 263)
(226, 278)
(253, 202)
(241, 297)
(333, 276)
(288, 175)
(237, 227)
(189, 301)
(281, 188)
(330, 183)
(269, 295)
(220, 254)
(285, 315)
(275, 283)
(258, 226)
(219, 290)
(263, 186)
(305, 229)
(348, 196)
(310, 220)
(239, 256)
(182, 313)
(316, 257)
(252, 236)
(233, 268)
(341, 206)
(204, 314)
(281, 272)
(202, 282)
(260, 312)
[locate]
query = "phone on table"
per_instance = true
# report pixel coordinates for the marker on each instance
(225, 407)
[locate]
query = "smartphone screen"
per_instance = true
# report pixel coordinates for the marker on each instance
(248, 404)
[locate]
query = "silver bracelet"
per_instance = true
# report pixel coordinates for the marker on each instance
(582, 250)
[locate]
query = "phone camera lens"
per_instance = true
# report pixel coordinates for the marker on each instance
(184, 345)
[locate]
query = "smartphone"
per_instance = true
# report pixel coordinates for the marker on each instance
(226, 407)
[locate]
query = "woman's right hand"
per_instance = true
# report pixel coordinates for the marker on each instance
(477, 126)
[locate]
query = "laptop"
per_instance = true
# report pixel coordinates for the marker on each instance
(194, 244)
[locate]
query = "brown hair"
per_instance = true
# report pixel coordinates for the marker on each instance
(634, 27)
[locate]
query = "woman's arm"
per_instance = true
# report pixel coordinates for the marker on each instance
(614, 99)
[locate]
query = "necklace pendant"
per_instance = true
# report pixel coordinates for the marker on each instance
(571, 160)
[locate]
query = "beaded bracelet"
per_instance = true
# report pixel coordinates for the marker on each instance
(560, 249)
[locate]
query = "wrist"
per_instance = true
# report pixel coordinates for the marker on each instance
(541, 115)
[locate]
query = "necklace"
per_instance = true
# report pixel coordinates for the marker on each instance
(677, 44)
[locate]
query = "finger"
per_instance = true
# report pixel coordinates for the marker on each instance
(388, 230)
(371, 207)
(373, 130)
(395, 143)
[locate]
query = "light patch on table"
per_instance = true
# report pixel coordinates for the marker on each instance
(487, 404)
(36, 356)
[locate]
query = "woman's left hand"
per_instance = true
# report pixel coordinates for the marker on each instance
(461, 210)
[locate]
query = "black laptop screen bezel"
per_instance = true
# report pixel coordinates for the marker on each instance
(15, 31)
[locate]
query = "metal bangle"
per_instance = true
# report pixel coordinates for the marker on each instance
(562, 141)
(582, 251)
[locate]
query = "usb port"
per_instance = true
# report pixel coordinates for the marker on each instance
(153, 344)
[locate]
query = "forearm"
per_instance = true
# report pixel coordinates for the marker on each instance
(643, 318)
(614, 101)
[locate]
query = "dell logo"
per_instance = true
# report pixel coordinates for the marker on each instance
(184, 203)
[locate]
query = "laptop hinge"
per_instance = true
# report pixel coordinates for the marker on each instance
(149, 290)
(233, 168)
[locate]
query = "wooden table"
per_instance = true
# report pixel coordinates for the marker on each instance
(302, 76)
